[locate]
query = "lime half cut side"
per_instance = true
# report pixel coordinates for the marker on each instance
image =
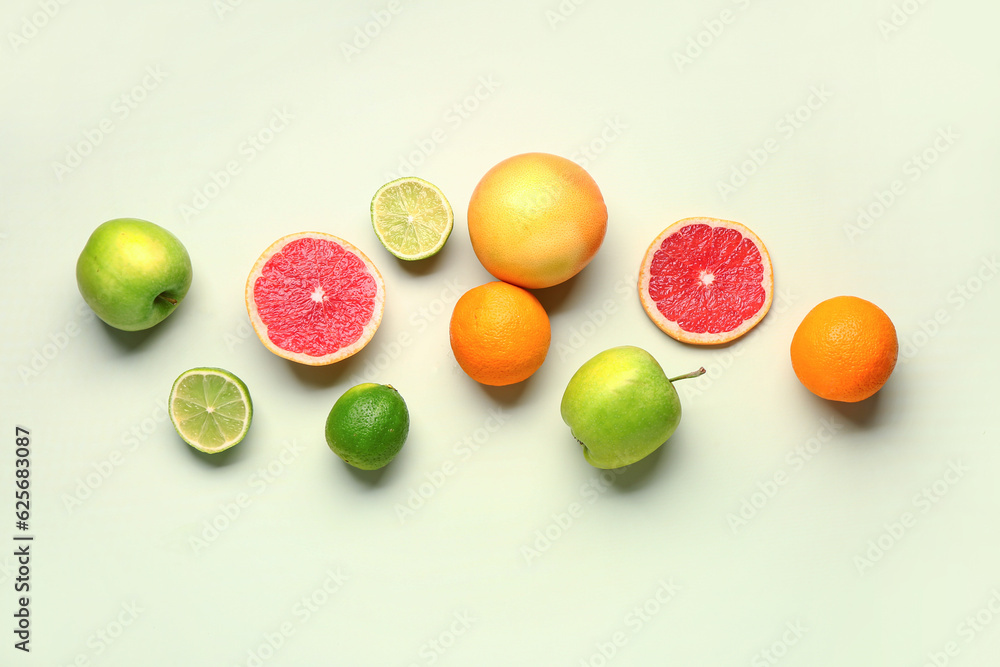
(412, 218)
(210, 409)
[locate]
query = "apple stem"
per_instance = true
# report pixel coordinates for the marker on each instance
(170, 300)
(687, 376)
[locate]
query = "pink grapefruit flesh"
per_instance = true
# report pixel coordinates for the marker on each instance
(706, 281)
(314, 298)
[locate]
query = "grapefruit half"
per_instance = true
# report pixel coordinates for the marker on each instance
(706, 281)
(314, 298)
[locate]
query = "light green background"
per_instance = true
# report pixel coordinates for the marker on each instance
(651, 559)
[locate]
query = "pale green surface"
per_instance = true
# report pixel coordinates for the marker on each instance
(496, 466)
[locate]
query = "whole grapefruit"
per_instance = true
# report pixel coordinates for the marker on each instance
(536, 220)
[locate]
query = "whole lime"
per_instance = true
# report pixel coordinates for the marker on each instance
(368, 425)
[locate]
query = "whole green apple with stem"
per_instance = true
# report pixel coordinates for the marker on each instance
(620, 406)
(133, 273)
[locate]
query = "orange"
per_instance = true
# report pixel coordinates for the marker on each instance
(844, 349)
(535, 220)
(499, 333)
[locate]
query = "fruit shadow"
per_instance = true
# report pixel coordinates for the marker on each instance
(705, 346)
(862, 414)
(422, 267)
(636, 476)
(227, 457)
(368, 478)
(373, 479)
(132, 341)
(506, 395)
(554, 298)
(326, 376)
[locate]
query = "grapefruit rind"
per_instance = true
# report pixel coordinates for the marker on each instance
(671, 327)
(260, 327)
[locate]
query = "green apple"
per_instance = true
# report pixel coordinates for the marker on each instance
(133, 273)
(620, 406)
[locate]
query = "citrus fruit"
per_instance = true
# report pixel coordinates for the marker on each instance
(210, 408)
(314, 298)
(499, 333)
(368, 425)
(844, 349)
(706, 281)
(535, 220)
(412, 218)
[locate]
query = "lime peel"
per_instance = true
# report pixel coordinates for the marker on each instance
(411, 218)
(210, 409)
(368, 425)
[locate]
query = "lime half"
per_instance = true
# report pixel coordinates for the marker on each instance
(210, 409)
(411, 218)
